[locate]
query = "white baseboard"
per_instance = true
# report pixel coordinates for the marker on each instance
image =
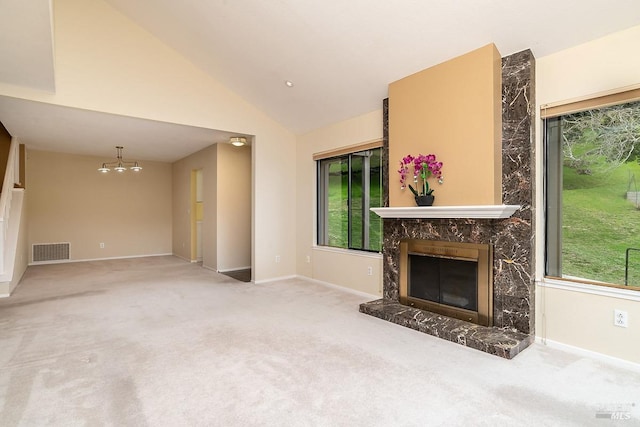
(4, 295)
(66, 261)
(342, 288)
(275, 279)
(626, 364)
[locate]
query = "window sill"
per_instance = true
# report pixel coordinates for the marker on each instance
(352, 252)
(632, 294)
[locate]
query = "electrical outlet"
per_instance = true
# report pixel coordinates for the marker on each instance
(277, 258)
(369, 271)
(101, 245)
(620, 318)
(308, 259)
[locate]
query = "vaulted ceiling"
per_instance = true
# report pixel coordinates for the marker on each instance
(339, 55)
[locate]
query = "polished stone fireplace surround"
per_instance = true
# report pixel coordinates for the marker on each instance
(511, 238)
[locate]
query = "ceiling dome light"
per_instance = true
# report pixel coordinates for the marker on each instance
(288, 83)
(238, 141)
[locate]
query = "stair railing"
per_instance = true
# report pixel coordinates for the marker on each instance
(11, 177)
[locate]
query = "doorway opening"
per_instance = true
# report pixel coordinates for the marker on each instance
(197, 213)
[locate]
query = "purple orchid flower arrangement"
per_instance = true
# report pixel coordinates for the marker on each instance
(423, 166)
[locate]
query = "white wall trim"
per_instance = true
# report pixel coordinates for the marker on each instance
(585, 288)
(341, 288)
(622, 363)
(275, 279)
(66, 261)
(4, 295)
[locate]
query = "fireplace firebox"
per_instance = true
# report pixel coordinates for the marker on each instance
(450, 278)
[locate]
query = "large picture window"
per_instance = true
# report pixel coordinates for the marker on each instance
(592, 195)
(348, 185)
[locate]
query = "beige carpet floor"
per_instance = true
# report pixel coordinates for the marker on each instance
(162, 342)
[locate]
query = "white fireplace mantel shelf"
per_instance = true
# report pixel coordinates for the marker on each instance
(476, 211)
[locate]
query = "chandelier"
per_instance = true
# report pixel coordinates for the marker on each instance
(120, 165)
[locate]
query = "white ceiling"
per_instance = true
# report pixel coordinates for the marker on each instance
(70, 130)
(340, 54)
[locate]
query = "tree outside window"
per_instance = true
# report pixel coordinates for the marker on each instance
(593, 194)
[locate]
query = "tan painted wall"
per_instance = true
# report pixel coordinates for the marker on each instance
(569, 317)
(234, 207)
(70, 201)
(340, 267)
(105, 62)
(226, 206)
(585, 320)
(451, 110)
(207, 161)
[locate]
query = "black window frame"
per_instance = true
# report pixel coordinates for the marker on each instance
(322, 215)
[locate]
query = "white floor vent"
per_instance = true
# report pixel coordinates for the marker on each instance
(50, 252)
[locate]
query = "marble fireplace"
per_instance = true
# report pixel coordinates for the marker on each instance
(507, 230)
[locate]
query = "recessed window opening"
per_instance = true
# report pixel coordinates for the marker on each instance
(592, 195)
(348, 186)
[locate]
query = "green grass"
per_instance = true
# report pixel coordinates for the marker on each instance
(338, 215)
(599, 224)
(338, 211)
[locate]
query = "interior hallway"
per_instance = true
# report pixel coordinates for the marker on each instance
(160, 341)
